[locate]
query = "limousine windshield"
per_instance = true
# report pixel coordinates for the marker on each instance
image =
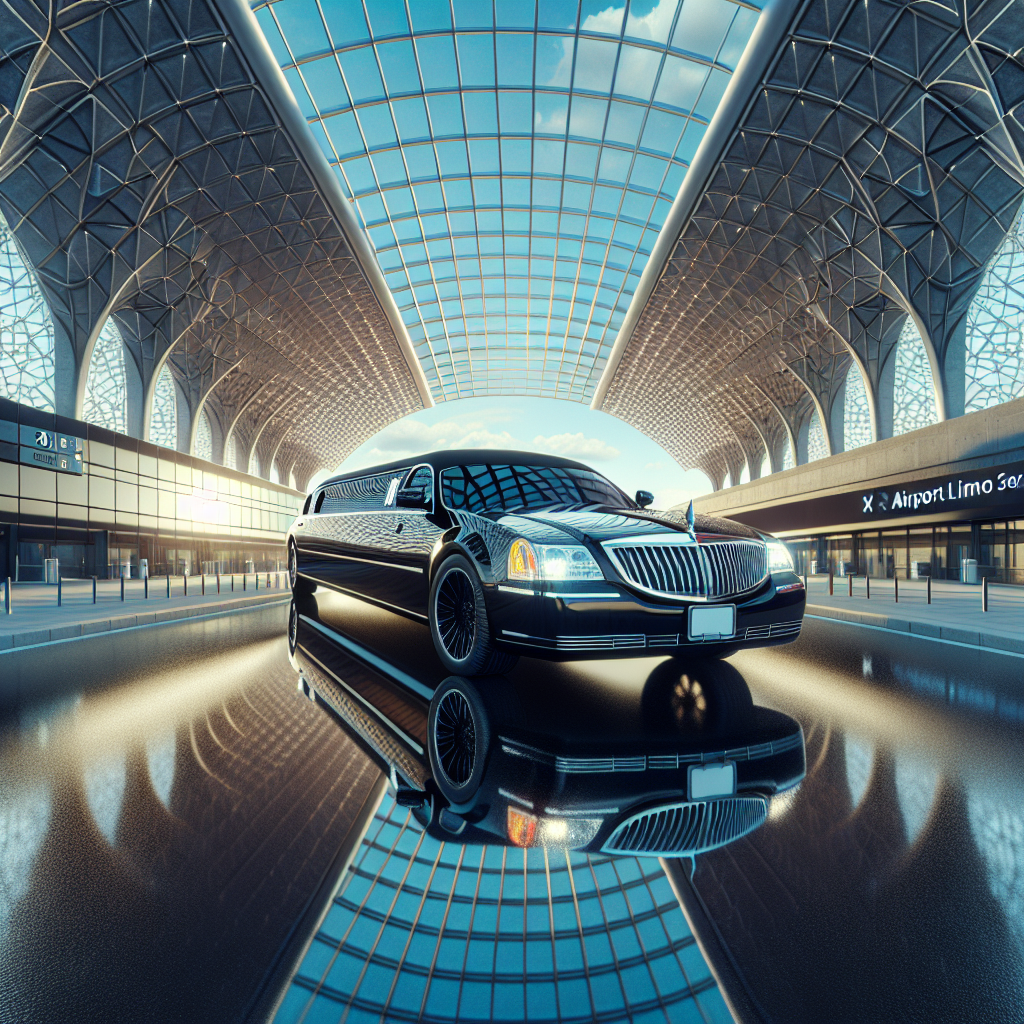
(492, 488)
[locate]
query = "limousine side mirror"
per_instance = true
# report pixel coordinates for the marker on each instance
(644, 498)
(412, 497)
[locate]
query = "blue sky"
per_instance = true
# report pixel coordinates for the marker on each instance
(615, 449)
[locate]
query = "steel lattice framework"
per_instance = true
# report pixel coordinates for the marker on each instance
(874, 171)
(147, 175)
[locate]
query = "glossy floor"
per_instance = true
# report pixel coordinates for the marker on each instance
(167, 822)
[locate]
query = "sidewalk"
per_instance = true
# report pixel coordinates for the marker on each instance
(36, 618)
(954, 614)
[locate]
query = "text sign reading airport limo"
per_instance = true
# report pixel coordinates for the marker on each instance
(993, 487)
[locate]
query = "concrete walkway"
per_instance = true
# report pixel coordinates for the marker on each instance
(955, 612)
(35, 617)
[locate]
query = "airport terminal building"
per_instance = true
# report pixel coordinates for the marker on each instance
(784, 239)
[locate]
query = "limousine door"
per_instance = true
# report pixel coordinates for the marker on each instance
(347, 542)
(416, 532)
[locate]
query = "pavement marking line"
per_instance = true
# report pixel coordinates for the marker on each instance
(915, 636)
(146, 625)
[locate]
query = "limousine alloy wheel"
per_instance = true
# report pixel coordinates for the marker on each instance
(458, 621)
(299, 584)
(457, 738)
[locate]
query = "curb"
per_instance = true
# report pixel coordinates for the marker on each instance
(929, 630)
(79, 630)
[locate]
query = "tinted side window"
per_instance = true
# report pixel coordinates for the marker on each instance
(305, 507)
(422, 477)
(477, 488)
(364, 494)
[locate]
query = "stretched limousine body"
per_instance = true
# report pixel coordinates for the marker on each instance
(507, 553)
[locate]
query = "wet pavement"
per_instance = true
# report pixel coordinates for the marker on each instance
(163, 837)
(171, 814)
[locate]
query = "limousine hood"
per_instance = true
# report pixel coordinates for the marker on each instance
(601, 524)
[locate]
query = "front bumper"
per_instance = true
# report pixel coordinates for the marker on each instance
(605, 619)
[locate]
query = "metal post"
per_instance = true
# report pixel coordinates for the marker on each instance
(984, 593)
(849, 584)
(58, 590)
(867, 587)
(122, 586)
(895, 588)
(243, 580)
(184, 583)
(145, 587)
(202, 585)
(8, 608)
(168, 586)
(94, 590)
(831, 591)
(928, 588)
(232, 583)
(218, 582)
(257, 575)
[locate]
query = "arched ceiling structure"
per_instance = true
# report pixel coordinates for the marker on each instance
(327, 218)
(870, 173)
(148, 174)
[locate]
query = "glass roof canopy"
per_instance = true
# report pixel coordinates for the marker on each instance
(512, 162)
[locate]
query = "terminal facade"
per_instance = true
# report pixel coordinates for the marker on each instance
(797, 252)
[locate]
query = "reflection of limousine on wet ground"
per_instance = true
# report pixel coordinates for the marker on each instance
(507, 553)
(681, 765)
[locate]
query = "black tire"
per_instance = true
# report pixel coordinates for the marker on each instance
(458, 622)
(301, 586)
(293, 626)
(458, 738)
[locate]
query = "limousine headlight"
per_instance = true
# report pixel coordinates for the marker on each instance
(528, 561)
(555, 833)
(779, 558)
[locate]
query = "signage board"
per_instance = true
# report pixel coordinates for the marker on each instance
(39, 447)
(987, 487)
(994, 493)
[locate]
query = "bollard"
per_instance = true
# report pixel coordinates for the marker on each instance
(867, 587)
(849, 584)
(184, 583)
(831, 591)
(58, 592)
(122, 588)
(243, 580)
(145, 587)
(218, 582)
(232, 583)
(257, 576)
(94, 590)
(202, 585)
(896, 588)
(928, 588)
(8, 608)
(168, 586)
(984, 593)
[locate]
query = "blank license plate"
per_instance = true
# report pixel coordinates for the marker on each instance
(714, 621)
(712, 780)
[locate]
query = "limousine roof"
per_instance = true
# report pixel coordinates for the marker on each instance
(460, 457)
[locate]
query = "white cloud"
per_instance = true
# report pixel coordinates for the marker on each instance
(654, 466)
(609, 20)
(655, 24)
(577, 446)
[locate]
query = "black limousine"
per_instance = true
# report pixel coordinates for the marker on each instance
(506, 553)
(680, 764)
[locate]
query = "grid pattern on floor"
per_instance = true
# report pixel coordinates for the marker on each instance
(427, 931)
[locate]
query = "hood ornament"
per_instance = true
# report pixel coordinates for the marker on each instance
(689, 517)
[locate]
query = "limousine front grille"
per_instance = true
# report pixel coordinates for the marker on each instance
(689, 828)
(715, 570)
